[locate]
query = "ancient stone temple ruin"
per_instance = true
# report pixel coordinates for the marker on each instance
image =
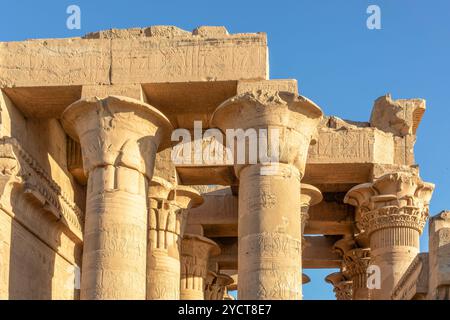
(93, 205)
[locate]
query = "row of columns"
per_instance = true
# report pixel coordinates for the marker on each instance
(134, 247)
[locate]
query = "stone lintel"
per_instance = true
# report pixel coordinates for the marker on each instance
(166, 54)
(219, 216)
(317, 254)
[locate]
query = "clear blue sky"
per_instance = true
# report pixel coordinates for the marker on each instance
(324, 44)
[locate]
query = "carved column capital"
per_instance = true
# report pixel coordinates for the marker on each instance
(117, 131)
(195, 253)
(168, 210)
(342, 287)
(356, 262)
(215, 286)
(393, 210)
(399, 199)
(394, 217)
(167, 219)
(296, 117)
(342, 246)
(309, 196)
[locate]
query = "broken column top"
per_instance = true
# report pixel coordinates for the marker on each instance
(158, 31)
(400, 117)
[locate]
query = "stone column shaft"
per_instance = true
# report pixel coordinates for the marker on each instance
(114, 228)
(270, 237)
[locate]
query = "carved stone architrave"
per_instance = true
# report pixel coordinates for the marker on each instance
(18, 168)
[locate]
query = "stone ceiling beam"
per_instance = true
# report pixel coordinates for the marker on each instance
(317, 254)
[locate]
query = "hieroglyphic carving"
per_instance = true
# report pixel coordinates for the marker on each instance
(188, 58)
(274, 244)
(49, 61)
(284, 285)
(343, 144)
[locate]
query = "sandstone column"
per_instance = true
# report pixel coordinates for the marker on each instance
(354, 266)
(119, 138)
(167, 217)
(195, 253)
(394, 210)
(439, 257)
(269, 228)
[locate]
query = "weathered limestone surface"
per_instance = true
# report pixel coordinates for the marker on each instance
(93, 207)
